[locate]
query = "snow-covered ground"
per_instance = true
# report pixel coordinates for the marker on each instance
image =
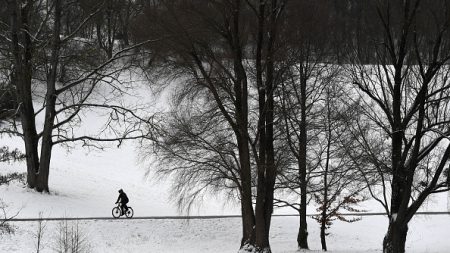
(84, 183)
(427, 234)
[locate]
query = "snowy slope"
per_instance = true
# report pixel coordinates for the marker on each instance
(84, 182)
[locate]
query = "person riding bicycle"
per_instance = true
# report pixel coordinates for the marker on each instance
(123, 199)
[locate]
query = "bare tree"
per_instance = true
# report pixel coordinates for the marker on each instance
(307, 74)
(340, 185)
(408, 92)
(38, 49)
(40, 233)
(299, 95)
(205, 45)
(198, 149)
(209, 46)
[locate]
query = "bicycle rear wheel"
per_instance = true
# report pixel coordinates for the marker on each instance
(129, 213)
(116, 212)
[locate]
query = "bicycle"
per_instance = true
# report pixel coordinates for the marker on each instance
(117, 211)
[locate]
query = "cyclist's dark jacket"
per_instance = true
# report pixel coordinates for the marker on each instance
(123, 198)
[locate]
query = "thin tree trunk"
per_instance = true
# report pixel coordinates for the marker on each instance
(323, 236)
(110, 33)
(325, 200)
(302, 238)
(125, 24)
(248, 218)
(271, 170)
(22, 80)
(50, 98)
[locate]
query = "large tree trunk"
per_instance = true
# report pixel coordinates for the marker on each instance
(267, 170)
(240, 88)
(22, 50)
(44, 169)
(395, 238)
(248, 217)
(241, 131)
(30, 136)
(262, 241)
(271, 172)
(31, 143)
(394, 241)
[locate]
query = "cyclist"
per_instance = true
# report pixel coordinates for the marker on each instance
(123, 199)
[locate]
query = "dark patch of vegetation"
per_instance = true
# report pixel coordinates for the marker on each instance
(6, 179)
(7, 155)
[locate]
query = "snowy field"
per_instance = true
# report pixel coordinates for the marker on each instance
(84, 183)
(427, 234)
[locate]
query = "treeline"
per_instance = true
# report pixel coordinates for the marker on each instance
(276, 102)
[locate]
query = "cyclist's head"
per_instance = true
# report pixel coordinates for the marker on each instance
(120, 191)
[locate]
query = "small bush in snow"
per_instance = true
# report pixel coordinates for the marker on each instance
(6, 179)
(7, 155)
(40, 231)
(70, 238)
(5, 227)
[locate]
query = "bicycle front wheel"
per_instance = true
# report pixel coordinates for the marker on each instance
(129, 213)
(116, 212)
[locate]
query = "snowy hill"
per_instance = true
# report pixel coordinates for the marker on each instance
(85, 184)
(84, 181)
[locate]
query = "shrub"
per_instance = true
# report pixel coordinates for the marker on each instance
(70, 238)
